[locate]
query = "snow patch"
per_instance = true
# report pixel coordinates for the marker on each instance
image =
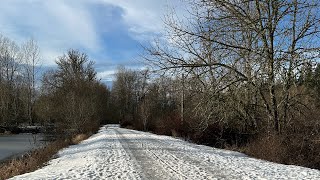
(117, 153)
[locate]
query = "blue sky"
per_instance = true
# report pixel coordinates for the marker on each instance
(109, 31)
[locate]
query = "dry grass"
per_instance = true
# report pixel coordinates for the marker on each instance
(78, 138)
(36, 159)
(299, 150)
(267, 147)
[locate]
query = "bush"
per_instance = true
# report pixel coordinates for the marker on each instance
(294, 149)
(268, 147)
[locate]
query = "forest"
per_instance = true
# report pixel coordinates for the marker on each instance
(240, 75)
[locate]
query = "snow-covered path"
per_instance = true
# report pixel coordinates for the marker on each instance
(117, 153)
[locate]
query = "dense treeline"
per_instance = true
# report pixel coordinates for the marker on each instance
(141, 103)
(70, 98)
(240, 74)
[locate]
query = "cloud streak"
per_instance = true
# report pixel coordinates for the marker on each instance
(107, 30)
(56, 25)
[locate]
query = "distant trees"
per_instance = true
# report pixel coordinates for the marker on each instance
(139, 102)
(31, 59)
(125, 94)
(17, 80)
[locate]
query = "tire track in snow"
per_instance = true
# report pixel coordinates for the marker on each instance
(170, 162)
(192, 161)
(120, 165)
(152, 167)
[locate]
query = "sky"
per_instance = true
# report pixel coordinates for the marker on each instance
(111, 32)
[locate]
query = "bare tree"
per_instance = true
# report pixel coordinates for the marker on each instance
(31, 59)
(10, 79)
(125, 93)
(255, 45)
(73, 96)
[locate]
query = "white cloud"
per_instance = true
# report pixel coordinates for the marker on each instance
(56, 25)
(107, 75)
(49, 56)
(145, 17)
(74, 21)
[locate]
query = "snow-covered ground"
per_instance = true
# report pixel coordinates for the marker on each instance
(117, 153)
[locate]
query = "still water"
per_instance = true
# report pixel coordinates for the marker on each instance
(14, 144)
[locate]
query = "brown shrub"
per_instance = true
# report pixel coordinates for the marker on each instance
(268, 147)
(78, 138)
(168, 124)
(295, 149)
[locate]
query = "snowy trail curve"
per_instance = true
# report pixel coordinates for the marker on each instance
(117, 153)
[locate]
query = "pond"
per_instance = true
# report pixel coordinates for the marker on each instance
(15, 144)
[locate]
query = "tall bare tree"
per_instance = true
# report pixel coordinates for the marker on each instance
(10, 80)
(31, 59)
(255, 45)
